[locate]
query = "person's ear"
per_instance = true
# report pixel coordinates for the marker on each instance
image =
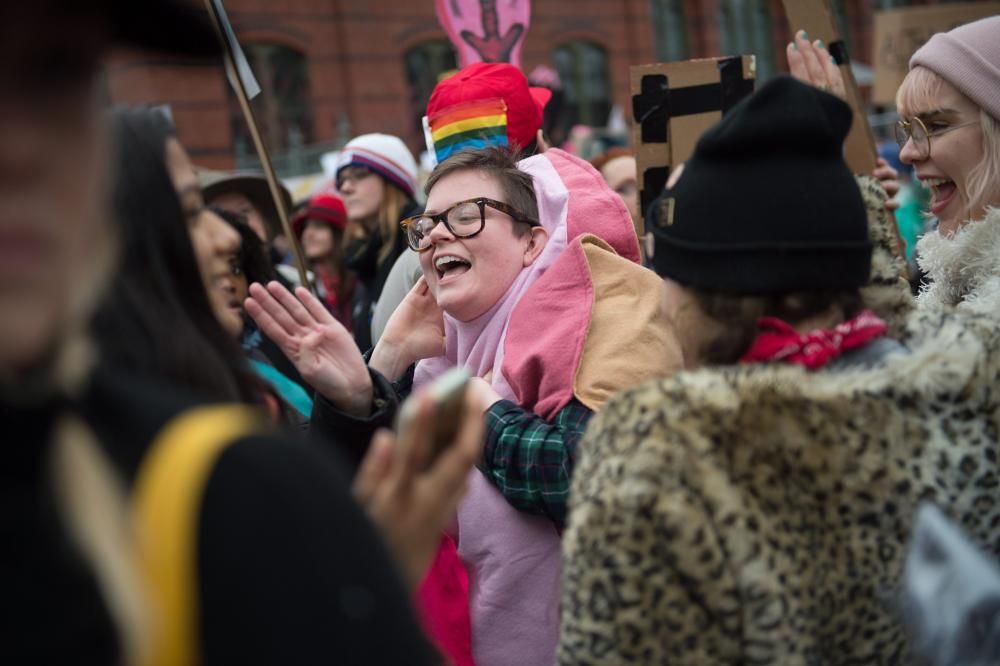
(537, 238)
(541, 143)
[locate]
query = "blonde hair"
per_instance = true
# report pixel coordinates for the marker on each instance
(386, 219)
(390, 212)
(919, 92)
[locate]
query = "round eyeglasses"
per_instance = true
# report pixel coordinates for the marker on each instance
(917, 131)
(464, 219)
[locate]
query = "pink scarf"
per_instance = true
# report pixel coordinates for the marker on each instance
(513, 558)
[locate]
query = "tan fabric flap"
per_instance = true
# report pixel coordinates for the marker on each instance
(630, 340)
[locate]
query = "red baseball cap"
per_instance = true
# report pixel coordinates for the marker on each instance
(483, 81)
(325, 206)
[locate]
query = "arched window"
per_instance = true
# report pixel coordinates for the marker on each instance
(425, 63)
(745, 26)
(283, 108)
(669, 33)
(583, 71)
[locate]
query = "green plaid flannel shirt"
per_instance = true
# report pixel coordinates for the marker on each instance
(531, 460)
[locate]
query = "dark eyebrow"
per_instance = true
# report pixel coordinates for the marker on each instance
(936, 112)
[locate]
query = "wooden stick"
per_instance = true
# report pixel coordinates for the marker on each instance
(265, 160)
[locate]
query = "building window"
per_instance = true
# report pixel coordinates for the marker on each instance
(583, 71)
(669, 30)
(283, 109)
(425, 64)
(745, 26)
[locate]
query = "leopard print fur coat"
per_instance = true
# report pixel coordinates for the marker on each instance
(759, 514)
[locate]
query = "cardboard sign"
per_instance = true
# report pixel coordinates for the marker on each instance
(817, 19)
(485, 30)
(673, 104)
(900, 32)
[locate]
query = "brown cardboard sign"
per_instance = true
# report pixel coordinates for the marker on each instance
(673, 104)
(817, 19)
(900, 32)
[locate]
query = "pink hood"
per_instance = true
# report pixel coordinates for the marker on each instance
(531, 340)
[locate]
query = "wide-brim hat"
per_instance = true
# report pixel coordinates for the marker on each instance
(252, 185)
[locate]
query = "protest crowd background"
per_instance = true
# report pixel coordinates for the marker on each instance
(500, 333)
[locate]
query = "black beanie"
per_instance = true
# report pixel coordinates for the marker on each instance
(766, 203)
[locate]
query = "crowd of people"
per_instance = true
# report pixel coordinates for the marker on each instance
(696, 434)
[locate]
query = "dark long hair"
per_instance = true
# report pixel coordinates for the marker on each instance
(156, 319)
(252, 257)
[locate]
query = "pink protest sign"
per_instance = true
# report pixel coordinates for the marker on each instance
(486, 30)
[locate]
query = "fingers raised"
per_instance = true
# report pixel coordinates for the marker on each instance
(269, 314)
(313, 306)
(811, 57)
(796, 64)
(832, 70)
(292, 306)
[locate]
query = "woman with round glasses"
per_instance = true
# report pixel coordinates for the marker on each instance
(950, 132)
(949, 105)
(532, 282)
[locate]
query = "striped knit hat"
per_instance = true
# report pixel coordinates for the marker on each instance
(384, 154)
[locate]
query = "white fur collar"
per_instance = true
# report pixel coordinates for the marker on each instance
(964, 269)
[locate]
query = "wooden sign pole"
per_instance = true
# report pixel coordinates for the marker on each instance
(229, 54)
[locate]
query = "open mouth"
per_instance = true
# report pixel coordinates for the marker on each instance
(449, 266)
(943, 191)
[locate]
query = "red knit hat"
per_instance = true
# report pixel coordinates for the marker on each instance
(325, 206)
(473, 108)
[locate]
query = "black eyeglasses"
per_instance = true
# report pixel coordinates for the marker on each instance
(917, 131)
(464, 219)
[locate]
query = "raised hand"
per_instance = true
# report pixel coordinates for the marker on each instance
(811, 63)
(475, 31)
(888, 178)
(321, 349)
(410, 502)
(414, 331)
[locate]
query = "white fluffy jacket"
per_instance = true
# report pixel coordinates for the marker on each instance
(965, 269)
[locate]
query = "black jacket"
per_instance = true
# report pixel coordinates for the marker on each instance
(362, 258)
(289, 568)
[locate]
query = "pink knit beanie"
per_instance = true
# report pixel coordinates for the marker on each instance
(968, 58)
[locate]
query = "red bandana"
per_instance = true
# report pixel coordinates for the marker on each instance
(777, 341)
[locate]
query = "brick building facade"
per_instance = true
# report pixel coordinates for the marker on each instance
(346, 67)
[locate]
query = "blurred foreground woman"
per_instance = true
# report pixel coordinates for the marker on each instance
(269, 560)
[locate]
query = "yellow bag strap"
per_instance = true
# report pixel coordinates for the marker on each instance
(166, 507)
